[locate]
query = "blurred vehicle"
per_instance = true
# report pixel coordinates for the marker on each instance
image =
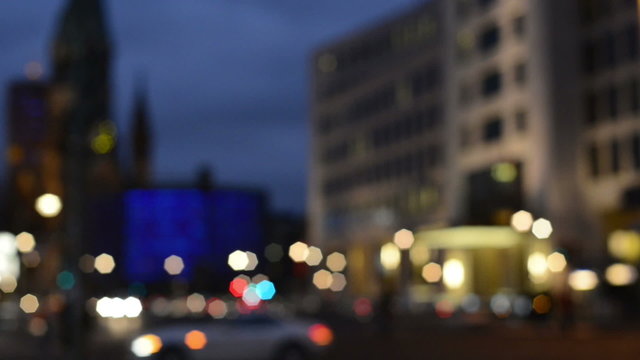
(247, 337)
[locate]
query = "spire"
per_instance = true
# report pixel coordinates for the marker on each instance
(141, 135)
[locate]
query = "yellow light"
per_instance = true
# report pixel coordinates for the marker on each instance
(621, 274)
(390, 256)
(298, 252)
(196, 303)
(504, 172)
(432, 272)
(8, 284)
(624, 245)
(419, 254)
(556, 262)
(103, 144)
(146, 345)
(25, 242)
(542, 228)
(521, 221)
(314, 256)
(238, 260)
(322, 279)
(336, 262)
(29, 304)
(537, 266)
(105, 263)
(48, 205)
(173, 265)
(583, 280)
(453, 274)
(403, 239)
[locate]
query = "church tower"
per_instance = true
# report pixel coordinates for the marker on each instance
(141, 139)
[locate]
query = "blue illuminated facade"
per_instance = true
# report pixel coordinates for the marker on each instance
(202, 227)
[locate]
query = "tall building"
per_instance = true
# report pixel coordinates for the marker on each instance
(141, 141)
(460, 113)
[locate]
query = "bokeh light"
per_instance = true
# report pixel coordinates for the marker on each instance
(322, 279)
(31, 259)
(522, 221)
(48, 205)
(390, 256)
(522, 306)
(624, 245)
(8, 284)
(542, 228)
(419, 254)
(313, 256)
(65, 280)
(336, 262)
(117, 308)
(217, 309)
(33, 70)
(104, 263)
(37, 326)
(432, 272)
(362, 307)
(444, 309)
(146, 345)
(556, 262)
(25, 242)
(471, 303)
(265, 290)
(173, 265)
(320, 334)
(541, 304)
(29, 303)
(87, 263)
(258, 278)
(273, 252)
(338, 282)
(250, 296)
(500, 305)
(537, 267)
(196, 303)
(195, 340)
(298, 252)
(238, 260)
(239, 285)
(253, 261)
(453, 274)
(403, 239)
(621, 274)
(583, 280)
(504, 172)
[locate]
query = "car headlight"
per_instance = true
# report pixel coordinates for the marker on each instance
(146, 345)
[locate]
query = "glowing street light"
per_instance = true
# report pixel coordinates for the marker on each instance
(105, 263)
(390, 256)
(542, 228)
(48, 205)
(521, 221)
(403, 239)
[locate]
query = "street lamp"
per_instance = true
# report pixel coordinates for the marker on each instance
(48, 205)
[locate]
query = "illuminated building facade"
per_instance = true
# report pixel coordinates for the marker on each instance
(536, 104)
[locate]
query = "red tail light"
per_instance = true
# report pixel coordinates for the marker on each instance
(320, 334)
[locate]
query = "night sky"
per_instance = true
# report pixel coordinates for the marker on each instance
(228, 80)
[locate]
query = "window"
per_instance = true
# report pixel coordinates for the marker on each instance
(484, 4)
(521, 120)
(589, 57)
(594, 167)
(489, 39)
(631, 44)
(591, 108)
(612, 99)
(520, 73)
(491, 84)
(425, 80)
(519, 25)
(493, 130)
(634, 100)
(609, 46)
(635, 148)
(615, 156)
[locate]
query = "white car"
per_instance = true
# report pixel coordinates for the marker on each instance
(252, 337)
